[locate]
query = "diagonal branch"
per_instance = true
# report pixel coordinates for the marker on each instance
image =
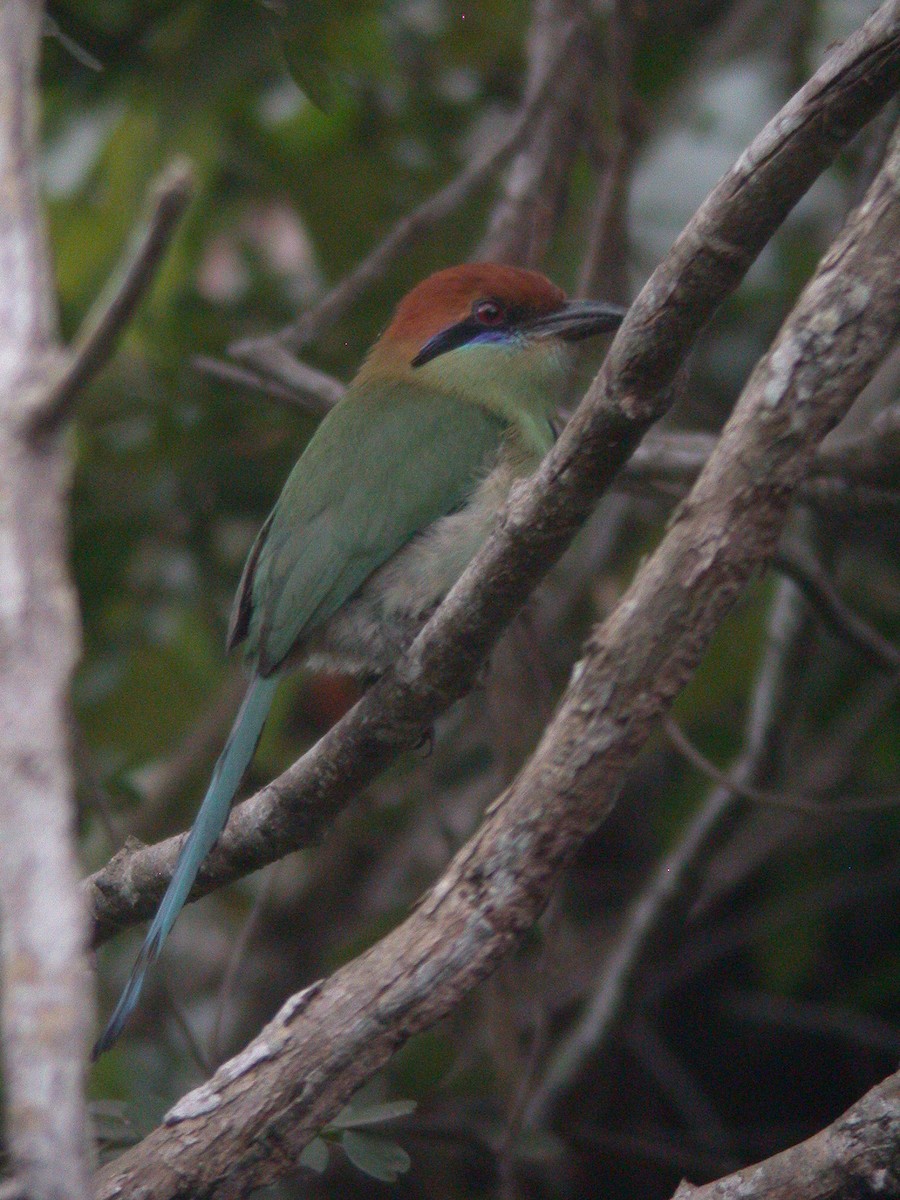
(310, 390)
(245, 1125)
(272, 352)
(652, 908)
(857, 1155)
(810, 576)
(632, 391)
(97, 339)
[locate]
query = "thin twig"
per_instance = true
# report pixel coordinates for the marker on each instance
(129, 282)
(508, 1149)
(861, 1029)
(666, 464)
(782, 800)
(603, 269)
(873, 455)
(825, 598)
(261, 351)
(870, 457)
(320, 393)
(877, 887)
(828, 770)
(237, 957)
(190, 1038)
(678, 1085)
(531, 199)
(650, 908)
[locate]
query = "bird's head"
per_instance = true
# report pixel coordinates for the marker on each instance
(492, 333)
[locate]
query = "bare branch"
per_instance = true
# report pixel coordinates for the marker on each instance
(783, 800)
(527, 211)
(316, 394)
(604, 270)
(858, 1155)
(860, 1029)
(867, 458)
(47, 1005)
(96, 340)
(333, 1036)
(271, 353)
(825, 598)
(632, 390)
(853, 476)
(651, 907)
(874, 455)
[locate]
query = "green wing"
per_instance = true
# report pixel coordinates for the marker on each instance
(384, 463)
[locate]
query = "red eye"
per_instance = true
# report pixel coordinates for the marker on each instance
(488, 312)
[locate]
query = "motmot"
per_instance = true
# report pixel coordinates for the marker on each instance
(395, 492)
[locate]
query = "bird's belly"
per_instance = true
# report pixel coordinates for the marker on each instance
(365, 636)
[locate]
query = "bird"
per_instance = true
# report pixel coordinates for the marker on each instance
(393, 495)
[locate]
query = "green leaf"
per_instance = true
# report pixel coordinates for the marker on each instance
(315, 1156)
(356, 1115)
(376, 1156)
(301, 30)
(312, 76)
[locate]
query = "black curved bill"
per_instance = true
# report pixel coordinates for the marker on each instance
(577, 319)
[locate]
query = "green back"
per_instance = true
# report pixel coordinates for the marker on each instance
(386, 461)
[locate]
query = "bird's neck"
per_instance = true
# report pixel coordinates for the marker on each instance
(523, 385)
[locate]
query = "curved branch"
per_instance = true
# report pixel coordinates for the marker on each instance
(258, 1111)
(310, 390)
(652, 907)
(857, 1155)
(821, 593)
(96, 340)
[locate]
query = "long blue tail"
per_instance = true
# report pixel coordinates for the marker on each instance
(226, 777)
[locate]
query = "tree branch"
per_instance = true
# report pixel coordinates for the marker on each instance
(604, 268)
(272, 352)
(648, 912)
(857, 1155)
(808, 574)
(47, 1007)
(524, 215)
(870, 458)
(632, 390)
(97, 339)
(315, 394)
(786, 801)
(249, 1122)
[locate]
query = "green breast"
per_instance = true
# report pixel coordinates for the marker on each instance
(385, 463)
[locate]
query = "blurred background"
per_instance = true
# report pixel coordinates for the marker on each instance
(764, 996)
